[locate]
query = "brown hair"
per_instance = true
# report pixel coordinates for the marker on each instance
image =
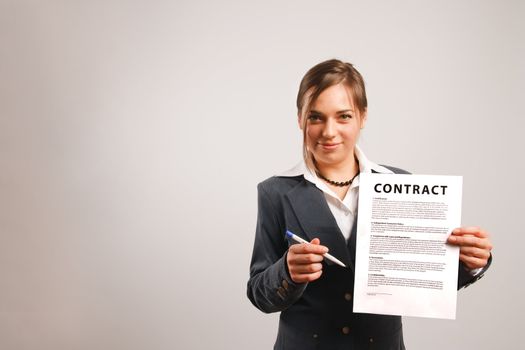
(319, 78)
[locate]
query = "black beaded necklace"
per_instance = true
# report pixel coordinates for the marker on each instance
(335, 183)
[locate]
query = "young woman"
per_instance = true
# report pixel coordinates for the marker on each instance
(317, 200)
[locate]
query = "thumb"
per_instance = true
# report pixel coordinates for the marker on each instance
(316, 241)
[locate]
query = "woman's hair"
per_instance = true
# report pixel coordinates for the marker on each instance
(319, 78)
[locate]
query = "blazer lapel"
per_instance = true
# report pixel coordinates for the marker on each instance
(316, 220)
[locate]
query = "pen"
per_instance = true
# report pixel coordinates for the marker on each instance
(298, 239)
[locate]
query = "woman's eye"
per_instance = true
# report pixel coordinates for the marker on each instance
(346, 116)
(314, 117)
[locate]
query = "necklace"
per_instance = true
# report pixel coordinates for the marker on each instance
(335, 183)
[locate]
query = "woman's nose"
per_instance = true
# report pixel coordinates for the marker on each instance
(329, 129)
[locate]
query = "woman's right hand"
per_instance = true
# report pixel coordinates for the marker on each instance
(304, 261)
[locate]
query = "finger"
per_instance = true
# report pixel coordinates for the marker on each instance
(306, 269)
(470, 230)
(472, 262)
(305, 248)
(304, 278)
(469, 241)
(475, 252)
(316, 241)
(306, 258)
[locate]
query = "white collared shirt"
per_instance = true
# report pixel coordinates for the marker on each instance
(344, 211)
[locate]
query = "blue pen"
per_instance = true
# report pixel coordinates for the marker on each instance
(298, 239)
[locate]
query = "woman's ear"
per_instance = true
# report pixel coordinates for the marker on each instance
(299, 121)
(364, 117)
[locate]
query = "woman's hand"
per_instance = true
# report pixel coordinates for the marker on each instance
(304, 261)
(474, 246)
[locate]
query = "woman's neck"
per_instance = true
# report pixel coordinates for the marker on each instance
(339, 172)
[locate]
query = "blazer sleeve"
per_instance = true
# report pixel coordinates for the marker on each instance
(270, 287)
(465, 278)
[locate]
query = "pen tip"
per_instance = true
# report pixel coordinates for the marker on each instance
(288, 233)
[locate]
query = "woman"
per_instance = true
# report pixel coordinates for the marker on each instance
(318, 200)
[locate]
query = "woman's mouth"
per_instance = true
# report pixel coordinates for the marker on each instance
(329, 146)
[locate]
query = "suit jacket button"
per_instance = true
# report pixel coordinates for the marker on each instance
(285, 284)
(346, 330)
(348, 296)
(315, 336)
(371, 340)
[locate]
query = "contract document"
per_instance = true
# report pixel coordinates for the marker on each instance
(403, 265)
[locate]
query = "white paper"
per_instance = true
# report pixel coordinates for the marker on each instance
(403, 264)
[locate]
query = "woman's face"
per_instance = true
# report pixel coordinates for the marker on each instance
(333, 126)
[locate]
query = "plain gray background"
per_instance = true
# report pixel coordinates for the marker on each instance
(133, 134)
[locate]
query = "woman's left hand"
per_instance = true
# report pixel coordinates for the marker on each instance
(474, 246)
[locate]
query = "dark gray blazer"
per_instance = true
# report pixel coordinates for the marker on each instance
(316, 315)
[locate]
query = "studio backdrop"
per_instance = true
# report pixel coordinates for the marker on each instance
(133, 135)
